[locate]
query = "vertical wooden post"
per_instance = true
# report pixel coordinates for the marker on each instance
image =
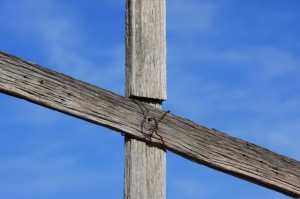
(145, 166)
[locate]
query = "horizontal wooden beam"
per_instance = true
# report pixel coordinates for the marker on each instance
(195, 142)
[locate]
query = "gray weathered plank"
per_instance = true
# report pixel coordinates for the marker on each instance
(145, 165)
(145, 170)
(190, 140)
(146, 48)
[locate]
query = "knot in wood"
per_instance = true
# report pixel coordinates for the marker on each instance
(150, 123)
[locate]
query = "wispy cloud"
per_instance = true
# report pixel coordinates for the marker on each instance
(54, 167)
(224, 72)
(248, 89)
(59, 28)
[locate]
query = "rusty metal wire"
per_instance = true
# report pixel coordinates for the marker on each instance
(150, 123)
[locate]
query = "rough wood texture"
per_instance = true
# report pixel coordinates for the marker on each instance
(145, 165)
(145, 170)
(190, 140)
(147, 175)
(146, 48)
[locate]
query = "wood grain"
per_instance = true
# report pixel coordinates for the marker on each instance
(146, 49)
(145, 164)
(190, 140)
(145, 170)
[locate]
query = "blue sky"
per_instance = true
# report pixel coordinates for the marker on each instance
(232, 65)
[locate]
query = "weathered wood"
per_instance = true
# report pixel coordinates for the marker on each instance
(190, 140)
(145, 165)
(146, 48)
(145, 170)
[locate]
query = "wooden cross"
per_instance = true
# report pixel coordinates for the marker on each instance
(145, 90)
(145, 165)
